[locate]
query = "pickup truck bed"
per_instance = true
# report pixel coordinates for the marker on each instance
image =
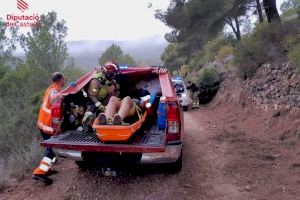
(149, 141)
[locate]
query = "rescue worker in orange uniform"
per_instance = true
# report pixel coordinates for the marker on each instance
(44, 124)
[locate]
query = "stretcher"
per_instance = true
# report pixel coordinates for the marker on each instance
(118, 133)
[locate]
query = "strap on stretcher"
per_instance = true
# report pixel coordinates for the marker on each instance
(138, 110)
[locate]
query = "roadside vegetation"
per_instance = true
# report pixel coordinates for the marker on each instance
(208, 82)
(237, 35)
(22, 83)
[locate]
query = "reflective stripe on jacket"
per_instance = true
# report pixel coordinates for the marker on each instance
(44, 120)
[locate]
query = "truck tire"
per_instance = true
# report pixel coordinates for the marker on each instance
(82, 164)
(176, 166)
(185, 108)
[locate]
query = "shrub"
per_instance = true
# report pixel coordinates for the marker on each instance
(18, 119)
(197, 60)
(3, 70)
(21, 92)
(294, 56)
(262, 46)
(208, 81)
(212, 48)
(224, 53)
(184, 70)
(292, 46)
(210, 51)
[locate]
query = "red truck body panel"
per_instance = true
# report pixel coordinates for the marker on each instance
(80, 83)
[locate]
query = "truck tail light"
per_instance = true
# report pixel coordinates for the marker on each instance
(56, 116)
(173, 122)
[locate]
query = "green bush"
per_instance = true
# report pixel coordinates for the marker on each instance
(3, 70)
(294, 56)
(292, 46)
(210, 51)
(224, 52)
(21, 92)
(208, 81)
(18, 119)
(264, 45)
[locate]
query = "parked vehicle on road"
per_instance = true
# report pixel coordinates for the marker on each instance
(152, 143)
(182, 93)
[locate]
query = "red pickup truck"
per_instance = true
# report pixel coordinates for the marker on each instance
(149, 145)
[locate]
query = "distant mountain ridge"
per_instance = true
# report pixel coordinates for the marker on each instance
(144, 51)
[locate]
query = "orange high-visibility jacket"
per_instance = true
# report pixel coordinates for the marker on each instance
(44, 120)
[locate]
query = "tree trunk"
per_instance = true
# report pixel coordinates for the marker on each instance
(271, 10)
(259, 11)
(235, 26)
(238, 30)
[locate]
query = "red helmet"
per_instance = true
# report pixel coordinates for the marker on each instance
(111, 67)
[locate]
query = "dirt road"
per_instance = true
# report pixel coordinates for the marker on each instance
(223, 159)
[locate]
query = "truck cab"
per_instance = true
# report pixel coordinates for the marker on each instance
(149, 145)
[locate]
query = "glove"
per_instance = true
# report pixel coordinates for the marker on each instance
(146, 100)
(100, 106)
(158, 70)
(73, 84)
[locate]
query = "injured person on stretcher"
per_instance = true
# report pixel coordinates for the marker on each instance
(117, 110)
(123, 109)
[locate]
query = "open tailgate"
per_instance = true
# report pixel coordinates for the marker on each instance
(148, 142)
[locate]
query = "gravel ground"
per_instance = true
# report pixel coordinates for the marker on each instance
(227, 154)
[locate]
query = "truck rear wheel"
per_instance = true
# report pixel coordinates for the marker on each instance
(185, 108)
(82, 164)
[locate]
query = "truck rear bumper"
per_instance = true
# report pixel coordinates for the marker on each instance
(70, 154)
(171, 154)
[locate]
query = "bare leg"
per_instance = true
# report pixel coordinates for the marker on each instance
(112, 107)
(126, 107)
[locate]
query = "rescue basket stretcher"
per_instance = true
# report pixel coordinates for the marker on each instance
(118, 133)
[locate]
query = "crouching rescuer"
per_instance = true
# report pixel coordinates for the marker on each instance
(101, 88)
(42, 172)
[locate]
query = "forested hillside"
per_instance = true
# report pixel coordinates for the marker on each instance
(239, 35)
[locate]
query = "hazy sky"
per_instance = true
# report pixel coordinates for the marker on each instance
(99, 19)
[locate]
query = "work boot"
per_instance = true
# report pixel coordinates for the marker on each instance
(54, 160)
(43, 178)
(87, 126)
(117, 120)
(51, 172)
(102, 119)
